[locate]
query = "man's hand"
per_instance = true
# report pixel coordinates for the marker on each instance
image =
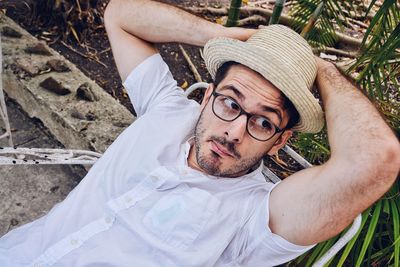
(315, 204)
(132, 27)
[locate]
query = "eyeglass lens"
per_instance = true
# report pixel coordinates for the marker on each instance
(258, 127)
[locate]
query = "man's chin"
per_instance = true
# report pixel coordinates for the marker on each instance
(212, 163)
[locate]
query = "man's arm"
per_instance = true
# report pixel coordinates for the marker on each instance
(132, 27)
(316, 204)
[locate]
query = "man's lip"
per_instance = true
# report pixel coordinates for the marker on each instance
(217, 148)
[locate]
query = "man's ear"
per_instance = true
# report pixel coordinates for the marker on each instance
(207, 96)
(280, 142)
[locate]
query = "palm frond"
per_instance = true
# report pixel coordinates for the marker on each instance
(314, 147)
(323, 34)
(380, 60)
(377, 71)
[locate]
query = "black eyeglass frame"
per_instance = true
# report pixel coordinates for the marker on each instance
(248, 116)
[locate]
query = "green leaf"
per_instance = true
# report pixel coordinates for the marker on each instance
(351, 243)
(370, 233)
(396, 234)
(376, 19)
(324, 248)
(315, 252)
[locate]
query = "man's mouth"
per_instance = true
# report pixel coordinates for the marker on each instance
(220, 150)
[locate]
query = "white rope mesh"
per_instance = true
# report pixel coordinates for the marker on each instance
(351, 232)
(32, 156)
(194, 87)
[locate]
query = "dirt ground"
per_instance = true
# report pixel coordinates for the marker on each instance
(94, 57)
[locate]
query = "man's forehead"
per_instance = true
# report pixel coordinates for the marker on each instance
(249, 78)
(246, 83)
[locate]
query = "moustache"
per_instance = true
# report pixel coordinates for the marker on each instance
(228, 145)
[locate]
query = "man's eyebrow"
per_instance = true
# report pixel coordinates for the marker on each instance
(273, 110)
(234, 90)
(242, 97)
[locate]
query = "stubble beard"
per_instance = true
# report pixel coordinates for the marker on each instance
(210, 162)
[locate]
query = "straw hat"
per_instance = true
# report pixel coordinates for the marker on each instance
(284, 58)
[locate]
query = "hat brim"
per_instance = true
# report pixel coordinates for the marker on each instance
(220, 50)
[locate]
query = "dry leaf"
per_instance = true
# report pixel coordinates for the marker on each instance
(74, 33)
(220, 21)
(184, 85)
(124, 93)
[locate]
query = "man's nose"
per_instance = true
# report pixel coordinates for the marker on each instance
(236, 129)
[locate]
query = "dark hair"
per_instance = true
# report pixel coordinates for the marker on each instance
(288, 106)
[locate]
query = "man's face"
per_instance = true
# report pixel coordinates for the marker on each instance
(225, 148)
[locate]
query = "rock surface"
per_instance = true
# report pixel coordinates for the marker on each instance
(38, 49)
(85, 92)
(27, 192)
(54, 86)
(58, 65)
(10, 32)
(54, 106)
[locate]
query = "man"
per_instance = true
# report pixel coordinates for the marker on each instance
(182, 186)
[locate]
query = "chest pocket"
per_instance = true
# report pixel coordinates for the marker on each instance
(179, 217)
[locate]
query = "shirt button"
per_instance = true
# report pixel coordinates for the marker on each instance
(128, 199)
(74, 242)
(38, 264)
(108, 220)
(154, 179)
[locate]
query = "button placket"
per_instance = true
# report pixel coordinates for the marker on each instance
(73, 241)
(128, 199)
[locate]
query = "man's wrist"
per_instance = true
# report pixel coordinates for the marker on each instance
(326, 74)
(239, 33)
(323, 65)
(243, 34)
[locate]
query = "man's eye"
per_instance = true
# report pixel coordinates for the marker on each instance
(231, 104)
(264, 123)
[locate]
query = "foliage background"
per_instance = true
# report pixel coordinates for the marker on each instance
(376, 70)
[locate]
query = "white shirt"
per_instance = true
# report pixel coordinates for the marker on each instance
(141, 205)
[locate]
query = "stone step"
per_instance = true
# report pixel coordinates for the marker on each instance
(73, 108)
(78, 112)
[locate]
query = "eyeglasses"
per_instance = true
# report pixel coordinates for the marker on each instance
(258, 127)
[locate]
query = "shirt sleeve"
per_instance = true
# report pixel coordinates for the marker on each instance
(261, 247)
(151, 84)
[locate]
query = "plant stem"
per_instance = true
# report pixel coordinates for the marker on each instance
(233, 13)
(276, 14)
